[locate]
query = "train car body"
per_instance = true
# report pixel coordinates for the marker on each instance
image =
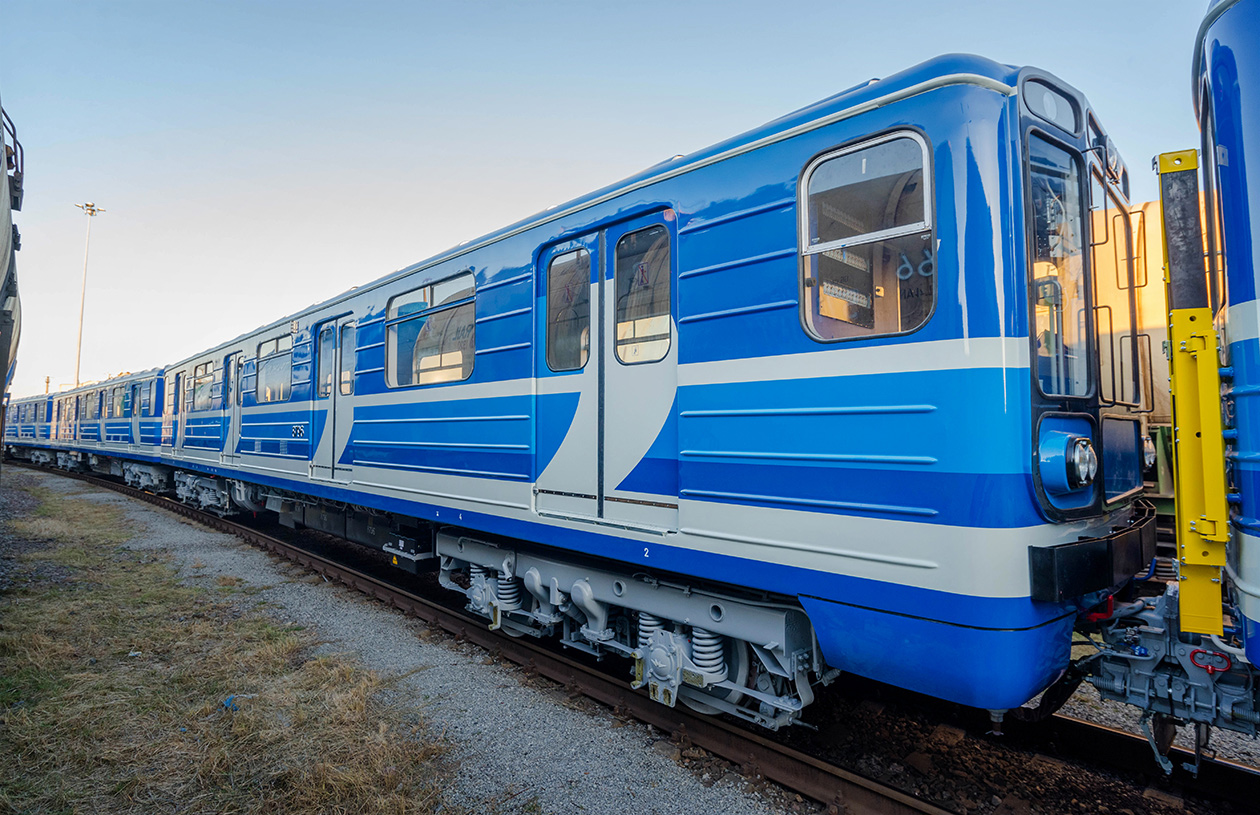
(834, 394)
(1227, 78)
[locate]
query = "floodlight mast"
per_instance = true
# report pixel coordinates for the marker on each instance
(91, 209)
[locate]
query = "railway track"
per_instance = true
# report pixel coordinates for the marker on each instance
(839, 790)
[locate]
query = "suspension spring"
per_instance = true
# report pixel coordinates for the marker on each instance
(708, 651)
(475, 571)
(649, 624)
(509, 591)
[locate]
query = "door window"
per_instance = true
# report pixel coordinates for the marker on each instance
(348, 357)
(569, 311)
(327, 359)
(642, 318)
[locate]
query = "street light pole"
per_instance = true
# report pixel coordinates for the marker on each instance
(91, 209)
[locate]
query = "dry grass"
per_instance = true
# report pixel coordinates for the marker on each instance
(114, 694)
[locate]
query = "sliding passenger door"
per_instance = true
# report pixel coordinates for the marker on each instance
(639, 435)
(606, 442)
(231, 406)
(567, 451)
(334, 380)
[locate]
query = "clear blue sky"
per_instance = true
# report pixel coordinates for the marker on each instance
(255, 157)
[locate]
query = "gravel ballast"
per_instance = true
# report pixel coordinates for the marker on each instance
(520, 747)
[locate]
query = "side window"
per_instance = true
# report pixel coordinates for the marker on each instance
(202, 386)
(868, 263)
(569, 311)
(430, 334)
(117, 410)
(327, 359)
(348, 352)
(643, 294)
(275, 369)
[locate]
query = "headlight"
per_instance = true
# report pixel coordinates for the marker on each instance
(1082, 463)
(1148, 452)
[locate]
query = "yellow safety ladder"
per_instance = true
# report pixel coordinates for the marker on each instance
(1194, 381)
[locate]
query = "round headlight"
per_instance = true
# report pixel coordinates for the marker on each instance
(1082, 463)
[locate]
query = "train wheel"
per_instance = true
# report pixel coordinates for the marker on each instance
(738, 661)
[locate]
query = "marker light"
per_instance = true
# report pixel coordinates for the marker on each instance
(1148, 452)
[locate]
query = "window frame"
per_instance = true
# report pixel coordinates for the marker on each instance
(1091, 341)
(275, 353)
(342, 369)
(203, 374)
(1112, 200)
(391, 322)
(927, 224)
(326, 357)
(547, 330)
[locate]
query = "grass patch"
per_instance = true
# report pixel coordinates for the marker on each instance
(124, 690)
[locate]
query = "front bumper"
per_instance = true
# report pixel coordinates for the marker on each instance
(1071, 570)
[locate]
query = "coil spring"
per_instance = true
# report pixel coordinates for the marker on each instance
(509, 591)
(649, 624)
(708, 651)
(475, 571)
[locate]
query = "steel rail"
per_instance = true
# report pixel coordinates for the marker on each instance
(841, 791)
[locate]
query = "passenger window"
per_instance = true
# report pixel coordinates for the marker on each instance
(869, 266)
(274, 370)
(327, 359)
(348, 357)
(643, 294)
(427, 344)
(569, 311)
(117, 408)
(202, 385)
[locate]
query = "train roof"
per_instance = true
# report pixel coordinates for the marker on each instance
(868, 95)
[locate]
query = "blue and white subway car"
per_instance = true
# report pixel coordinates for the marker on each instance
(1226, 74)
(858, 390)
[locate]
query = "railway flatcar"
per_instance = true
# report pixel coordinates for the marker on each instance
(858, 390)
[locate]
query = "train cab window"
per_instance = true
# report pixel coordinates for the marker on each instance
(348, 357)
(430, 333)
(868, 261)
(642, 317)
(1057, 268)
(569, 311)
(327, 361)
(275, 369)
